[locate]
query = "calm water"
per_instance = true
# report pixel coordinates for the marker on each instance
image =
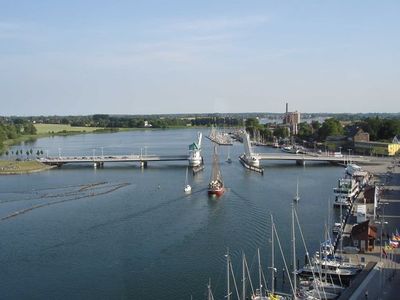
(126, 233)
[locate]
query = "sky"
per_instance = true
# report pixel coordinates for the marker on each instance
(159, 57)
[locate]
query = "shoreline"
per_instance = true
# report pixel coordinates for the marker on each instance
(12, 167)
(90, 130)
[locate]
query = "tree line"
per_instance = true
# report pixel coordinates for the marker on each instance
(14, 129)
(379, 129)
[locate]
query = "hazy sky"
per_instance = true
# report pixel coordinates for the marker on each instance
(145, 57)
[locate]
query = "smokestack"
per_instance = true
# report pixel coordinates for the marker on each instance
(287, 107)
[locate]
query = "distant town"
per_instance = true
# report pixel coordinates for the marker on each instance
(367, 134)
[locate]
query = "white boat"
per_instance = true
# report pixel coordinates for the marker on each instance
(297, 197)
(346, 190)
(187, 188)
(352, 168)
(326, 286)
(228, 159)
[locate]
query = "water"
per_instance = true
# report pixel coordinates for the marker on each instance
(123, 232)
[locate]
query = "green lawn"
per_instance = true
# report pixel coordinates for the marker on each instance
(55, 128)
(18, 167)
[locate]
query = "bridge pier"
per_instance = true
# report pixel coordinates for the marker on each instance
(143, 164)
(300, 162)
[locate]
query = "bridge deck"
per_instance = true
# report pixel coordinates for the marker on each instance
(314, 157)
(113, 158)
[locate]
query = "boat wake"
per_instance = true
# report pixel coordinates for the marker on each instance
(90, 190)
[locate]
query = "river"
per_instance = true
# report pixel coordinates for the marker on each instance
(122, 232)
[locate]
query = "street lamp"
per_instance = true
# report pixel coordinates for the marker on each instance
(349, 156)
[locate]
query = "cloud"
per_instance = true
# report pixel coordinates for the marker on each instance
(216, 24)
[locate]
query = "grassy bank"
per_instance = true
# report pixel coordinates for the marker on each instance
(45, 129)
(9, 167)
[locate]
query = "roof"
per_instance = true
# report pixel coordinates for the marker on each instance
(193, 146)
(363, 229)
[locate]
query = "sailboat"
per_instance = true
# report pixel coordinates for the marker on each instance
(297, 197)
(216, 185)
(187, 188)
(259, 295)
(228, 159)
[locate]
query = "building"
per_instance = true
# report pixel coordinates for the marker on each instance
(363, 236)
(376, 148)
(292, 120)
(360, 136)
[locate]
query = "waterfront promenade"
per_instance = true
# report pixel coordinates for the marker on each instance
(383, 280)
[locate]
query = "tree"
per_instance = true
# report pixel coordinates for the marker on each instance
(281, 132)
(305, 131)
(252, 122)
(29, 128)
(330, 127)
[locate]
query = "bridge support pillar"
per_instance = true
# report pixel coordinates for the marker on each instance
(96, 165)
(300, 162)
(143, 164)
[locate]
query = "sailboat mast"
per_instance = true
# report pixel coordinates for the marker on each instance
(294, 256)
(243, 278)
(210, 295)
(227, 275)
(272, 256)
(259, 271)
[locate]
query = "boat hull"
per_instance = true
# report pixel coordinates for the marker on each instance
(216, 192)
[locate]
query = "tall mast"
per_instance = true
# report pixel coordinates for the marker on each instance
(228, 296)
(294, 256)
(259, 271)
(272, 256)
(210, 295)
(243, 278)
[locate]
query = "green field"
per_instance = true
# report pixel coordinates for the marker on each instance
(20, 167)
(59, 128)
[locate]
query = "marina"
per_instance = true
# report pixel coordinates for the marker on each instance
(104, 207)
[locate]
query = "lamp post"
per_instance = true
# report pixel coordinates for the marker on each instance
(349, 160)
(59, 152)
(382, 223)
